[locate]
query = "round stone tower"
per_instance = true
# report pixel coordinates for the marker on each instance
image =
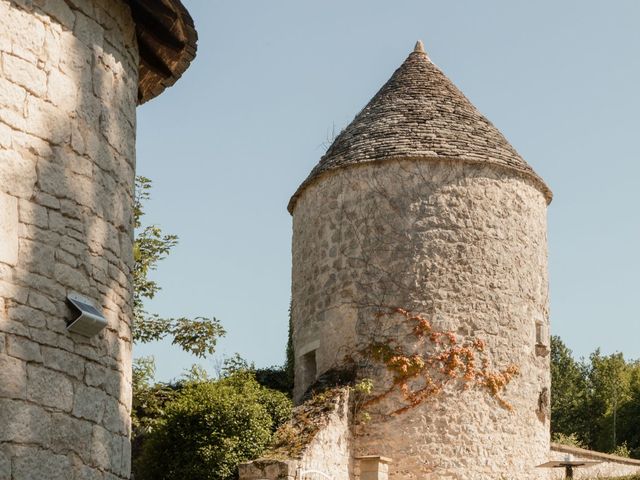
(420, 262)
(72, 73)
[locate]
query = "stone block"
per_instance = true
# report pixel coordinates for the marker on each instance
(106, 449)
(63, 361)
(8, 325)
(5, 466)
(28, 316)
(38, 257)
(116, 417)
(69, 433)
(88, 31)
(84, 472)
(23, 348)
(33, 214)
(23, 422)
(47, 200)
(57, 222)
(25, 74)
(59, 11)
(89, 403)
(41, 302)
(49, 388)
(70, 277)
(125, 469)
(46, 121)
(35, 464)
(12, 96)
(13, 377)
(62, 90)
(5, 135)
(8, 227)
(41, 284)
(17, 175)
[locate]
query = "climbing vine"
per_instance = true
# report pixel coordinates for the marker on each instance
(440, 359)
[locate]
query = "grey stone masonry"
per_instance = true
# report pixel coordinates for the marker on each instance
(68, 92)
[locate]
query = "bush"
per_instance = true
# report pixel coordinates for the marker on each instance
(622, 450)
(571, 440)
(209, 427)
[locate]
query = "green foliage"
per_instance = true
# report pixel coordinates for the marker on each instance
(289, 366)
(622, 450)
(209, 426)
(568, 394)
(596, 402)
(197, 336)
(571, 440)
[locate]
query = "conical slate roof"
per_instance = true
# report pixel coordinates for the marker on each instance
(420, 114)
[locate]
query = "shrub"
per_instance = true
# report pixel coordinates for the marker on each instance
(571, 440)
(209, 427)
(622, 450)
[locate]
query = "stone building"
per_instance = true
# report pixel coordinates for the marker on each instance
(71, 75)
(420, 262)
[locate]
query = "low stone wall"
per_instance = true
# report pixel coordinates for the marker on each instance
(610, 466)
(327, 449)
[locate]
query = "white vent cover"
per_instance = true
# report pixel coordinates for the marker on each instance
(91, 320)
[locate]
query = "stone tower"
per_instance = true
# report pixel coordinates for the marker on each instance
(420, 262)
(71, 75)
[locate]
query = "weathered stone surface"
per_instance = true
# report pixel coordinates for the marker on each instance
(70, 434)
(68, 92)
(116, 417)
(13, 377)
(49, 388)
(33, 213)
(106, 449)
(23, 422)
(8, 228)
(63, 361)
(17, 174)
(23, 348)
(463, 244)
(25, 74)
(5, 466)
(12, 96)
(28, 316)
(89, 403)
(35, 464)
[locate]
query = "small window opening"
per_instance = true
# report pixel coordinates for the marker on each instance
(309, 368)
(542, 339)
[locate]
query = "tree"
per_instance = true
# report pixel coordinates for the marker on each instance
(197, 336)
(595, 403)
(609, 380)
(210, 426)
(568, 393)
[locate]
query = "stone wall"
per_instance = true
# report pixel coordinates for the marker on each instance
(462, 244)
(329, 450)
(68, 88)
(610, 466)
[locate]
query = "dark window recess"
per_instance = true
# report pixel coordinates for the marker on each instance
(309, 368)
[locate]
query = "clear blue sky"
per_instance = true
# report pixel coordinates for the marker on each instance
(231, 141)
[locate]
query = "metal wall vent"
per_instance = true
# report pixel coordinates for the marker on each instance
(90, 322)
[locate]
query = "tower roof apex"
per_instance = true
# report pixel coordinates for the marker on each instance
(419, 114)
